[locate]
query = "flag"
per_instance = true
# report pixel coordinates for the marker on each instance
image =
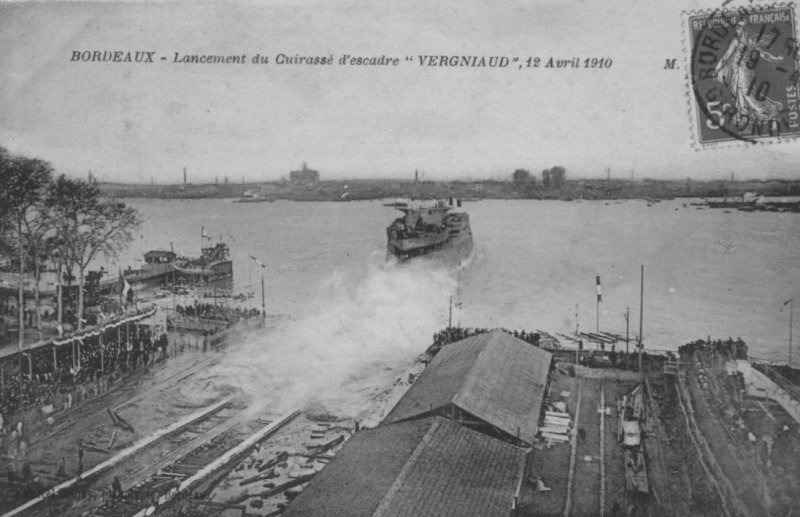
(203, 232)
(122, 286)
(258, 262)
(599, 294)
(787, 302)
(126, 287)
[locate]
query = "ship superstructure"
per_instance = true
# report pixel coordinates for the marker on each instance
(430, 229)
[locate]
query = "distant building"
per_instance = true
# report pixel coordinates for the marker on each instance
(305, 176)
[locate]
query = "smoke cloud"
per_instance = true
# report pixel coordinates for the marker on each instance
(337, 360)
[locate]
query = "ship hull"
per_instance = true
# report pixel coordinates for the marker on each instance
(430, 232)
(455, 251)
(218, 274)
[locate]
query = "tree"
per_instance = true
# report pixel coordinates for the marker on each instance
(67, 199)
(88, 227)
(38, 238)
(521, 178)
(554, 177)
(557, 176)
(22, 187)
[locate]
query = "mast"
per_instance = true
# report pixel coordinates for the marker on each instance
(641, 307)
(627, 333)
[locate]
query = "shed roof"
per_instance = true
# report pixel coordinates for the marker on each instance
(429, 467)
(494, 376)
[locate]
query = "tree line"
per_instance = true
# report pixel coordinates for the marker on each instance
(552, 178)
(60, 224)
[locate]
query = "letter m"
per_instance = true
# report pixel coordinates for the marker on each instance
(669, 64)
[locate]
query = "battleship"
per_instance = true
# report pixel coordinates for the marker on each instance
(430, 230)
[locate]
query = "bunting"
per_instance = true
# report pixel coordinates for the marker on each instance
(98, 331)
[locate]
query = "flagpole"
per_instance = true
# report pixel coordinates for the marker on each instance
(263, 298)
(791, 315)
(597, 317)
(599, 299)
(450, 317)
(263, 303)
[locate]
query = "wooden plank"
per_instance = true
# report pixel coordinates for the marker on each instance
(573, 454)
(220, 462)
(136, 447)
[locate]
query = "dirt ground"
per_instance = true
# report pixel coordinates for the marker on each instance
(679, 484)
(553, 463)
(147, 400)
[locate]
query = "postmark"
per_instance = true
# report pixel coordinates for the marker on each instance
(743, 74)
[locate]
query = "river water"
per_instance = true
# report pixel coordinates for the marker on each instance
(355, 323)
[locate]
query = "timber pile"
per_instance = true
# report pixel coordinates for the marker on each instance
(557, 424)
(636, 471)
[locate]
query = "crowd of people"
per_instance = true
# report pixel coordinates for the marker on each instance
(726, 349)
(62, 375)
(10, 308)
(210, 311)
(453, 334)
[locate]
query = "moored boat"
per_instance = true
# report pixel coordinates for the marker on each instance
(213, 267)
(255, 196)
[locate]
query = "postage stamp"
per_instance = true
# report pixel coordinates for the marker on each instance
(743, 74)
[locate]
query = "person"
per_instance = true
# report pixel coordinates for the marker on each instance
(116, 489)
(80, 456)
(62, 470)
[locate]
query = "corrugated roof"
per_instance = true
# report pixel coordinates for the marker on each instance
(494, 376)
(423, 468)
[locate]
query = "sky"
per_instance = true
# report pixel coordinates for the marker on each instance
(143, 122)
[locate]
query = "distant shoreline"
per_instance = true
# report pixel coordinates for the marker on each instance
(363, 190)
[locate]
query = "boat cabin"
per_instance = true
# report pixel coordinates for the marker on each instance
(159, 257)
